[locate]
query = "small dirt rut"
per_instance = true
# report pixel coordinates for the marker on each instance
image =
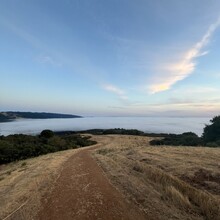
(82, 191)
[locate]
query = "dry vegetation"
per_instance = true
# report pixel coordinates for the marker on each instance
(23, 184)
(166, 182)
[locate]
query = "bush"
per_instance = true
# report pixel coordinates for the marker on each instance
(211, 132)
(46, 134)
(19, 147)
(7, 152)
(184, 139)
(157, 142)
(123, 131)
(218, 142)
(210, 137)
(190, 140)
(58, 142)
(212, 144)
(120, 131)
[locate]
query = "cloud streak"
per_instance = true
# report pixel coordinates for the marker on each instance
(179, 70)
(49, 60)
(119, 92)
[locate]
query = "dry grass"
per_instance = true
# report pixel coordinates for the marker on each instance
(168, 182)
(25, 183)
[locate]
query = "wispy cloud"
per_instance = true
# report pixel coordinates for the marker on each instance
(179, 70)
(79, 63)
(45, 59)
(33, 41)
(23, 34)
(119, 92)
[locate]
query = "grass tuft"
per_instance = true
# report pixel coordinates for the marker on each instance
(104, 151)
(23, 164)
(177, 197)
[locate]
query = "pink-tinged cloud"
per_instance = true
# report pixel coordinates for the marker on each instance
(175, 72)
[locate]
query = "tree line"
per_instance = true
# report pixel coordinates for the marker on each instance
(209, 138)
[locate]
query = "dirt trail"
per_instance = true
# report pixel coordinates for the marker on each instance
(83, 192)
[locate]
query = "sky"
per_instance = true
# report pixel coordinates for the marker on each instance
(111, 58)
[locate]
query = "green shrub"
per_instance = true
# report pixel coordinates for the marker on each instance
(157, 142)
(57, 142)
(184, 139)
(120, 131)
(8, 152)
(19, 147)
(211, 132)
(212, 144)
(218, 142)
(190, 140)
(46, 134)
(123, 131)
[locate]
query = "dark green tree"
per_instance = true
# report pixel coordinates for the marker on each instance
(211, 132)
(46, 134)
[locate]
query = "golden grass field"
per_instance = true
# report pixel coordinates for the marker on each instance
(166, 182)
(24, 184)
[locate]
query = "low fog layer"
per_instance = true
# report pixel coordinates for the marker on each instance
(146, 124)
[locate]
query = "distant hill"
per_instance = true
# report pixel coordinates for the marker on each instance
(10, 116)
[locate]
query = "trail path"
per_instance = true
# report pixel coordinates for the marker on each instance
(82, 191)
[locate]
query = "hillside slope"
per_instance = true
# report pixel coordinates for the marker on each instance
(10, 115)
(152, 182)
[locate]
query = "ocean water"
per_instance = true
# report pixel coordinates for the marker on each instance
(147, 124)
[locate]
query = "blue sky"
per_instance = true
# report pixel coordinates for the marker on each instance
(110, 58)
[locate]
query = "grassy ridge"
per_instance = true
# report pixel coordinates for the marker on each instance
(169, 182)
